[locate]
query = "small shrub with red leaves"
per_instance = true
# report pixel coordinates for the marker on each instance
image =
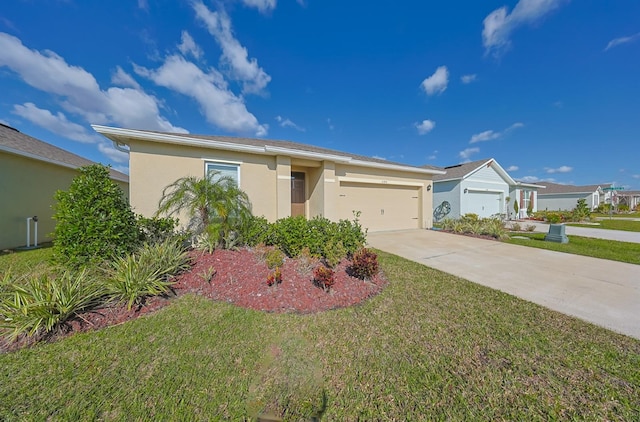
(364, 264)
(275, 277)
(324, 277)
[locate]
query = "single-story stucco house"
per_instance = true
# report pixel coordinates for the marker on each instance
(481, 187)
(281, 178)
(31, 171)
(557, 197)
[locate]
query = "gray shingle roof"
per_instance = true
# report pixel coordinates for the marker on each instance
(15, 142)
(458, 171)
(556, 188)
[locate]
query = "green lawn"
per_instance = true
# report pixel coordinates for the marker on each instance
(431, 346)
(629, 215)
(587, 246)
(625, 225)
(20, 262)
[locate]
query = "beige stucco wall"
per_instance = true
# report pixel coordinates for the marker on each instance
(27, 188)
(153, 166)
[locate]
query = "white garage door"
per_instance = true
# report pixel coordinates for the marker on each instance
(382, 207)
(485, 204)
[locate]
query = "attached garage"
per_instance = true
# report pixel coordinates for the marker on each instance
(483, 203)
(381, 206)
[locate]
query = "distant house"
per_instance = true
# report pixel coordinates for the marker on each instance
(31, 171)
(557, 197)
(281, 178)
(481, 187)
(630, 198)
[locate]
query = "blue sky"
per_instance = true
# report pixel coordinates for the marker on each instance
(549, 88)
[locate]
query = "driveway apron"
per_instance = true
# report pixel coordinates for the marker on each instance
(606, 293)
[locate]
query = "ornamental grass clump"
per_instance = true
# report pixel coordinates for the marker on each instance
(38, 304)
(134, 277)
(364, 264)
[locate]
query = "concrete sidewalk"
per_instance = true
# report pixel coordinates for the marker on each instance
(619, 235)
(606, 293)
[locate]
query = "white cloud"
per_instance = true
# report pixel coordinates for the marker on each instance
(499, 24)
(122, 78)
(219, 105)
(433, 155)
(425, 126)
(188, 46)
(143, 4)
(284, 122)
(489, 135)
(331, 126)
(622, 40)
(79, 91)
(467, 153)
(107, 149)
(436, 83)
(561, 169)
(56, 123)
(636, 176)
(262, 5)
(234, 56)
(530, 179)
(467, 79)
(379, 157)
(513, 168)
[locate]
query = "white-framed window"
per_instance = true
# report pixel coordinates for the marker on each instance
(216, 170)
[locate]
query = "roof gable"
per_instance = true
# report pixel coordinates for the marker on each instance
(466, 170)
(15, 142)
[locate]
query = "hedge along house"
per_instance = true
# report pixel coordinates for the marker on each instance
(557, 197)
(281, 178)
(31, 171)
(481, 187)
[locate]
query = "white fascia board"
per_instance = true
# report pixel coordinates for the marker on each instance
(484, 190)
(179, 139)
(50, 161)
(296, 153)
(395, 167)
(498, 170)
(530, 185)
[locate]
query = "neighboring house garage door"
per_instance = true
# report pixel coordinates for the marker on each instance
(485, 204)
(382, 207)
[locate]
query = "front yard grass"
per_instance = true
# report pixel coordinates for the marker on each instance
(587, 246)
(625, 225)
(430, 346)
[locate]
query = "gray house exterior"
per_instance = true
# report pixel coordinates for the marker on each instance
(481, 187)
(557, 197)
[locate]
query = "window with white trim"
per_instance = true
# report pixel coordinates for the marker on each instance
(218, 170)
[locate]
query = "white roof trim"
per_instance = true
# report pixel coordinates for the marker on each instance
(115, 134)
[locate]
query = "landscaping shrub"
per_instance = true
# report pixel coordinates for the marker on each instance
(256, 231)
(292, 234)
(274, 258)
(530, 227)
(275, 277)
(145, 273)
(334, 252)
(364, 264)
(93, 220)
(324, 277)
(623, 208)
(581, 212)
(516, 227)
(493, 227)
(156, 229)
(39, 304)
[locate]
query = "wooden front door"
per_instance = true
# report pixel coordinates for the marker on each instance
(298, 195)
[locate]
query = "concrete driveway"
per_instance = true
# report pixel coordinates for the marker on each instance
(603, 292)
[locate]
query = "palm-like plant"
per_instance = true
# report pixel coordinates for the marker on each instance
(213, 205)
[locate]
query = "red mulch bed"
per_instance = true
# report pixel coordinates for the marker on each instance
(240, 277)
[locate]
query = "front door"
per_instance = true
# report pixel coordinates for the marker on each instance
(297, 194)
